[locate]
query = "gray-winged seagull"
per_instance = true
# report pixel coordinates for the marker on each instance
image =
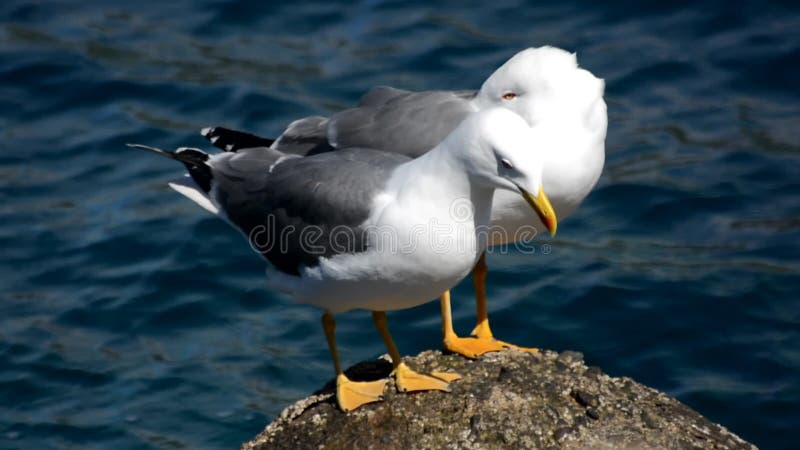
(353, 229)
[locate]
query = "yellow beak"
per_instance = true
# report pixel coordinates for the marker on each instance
(543, 209)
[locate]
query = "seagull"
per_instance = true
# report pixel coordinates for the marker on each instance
(361, 228)
(545, 86)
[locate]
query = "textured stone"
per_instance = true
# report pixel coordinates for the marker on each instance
(505, 400)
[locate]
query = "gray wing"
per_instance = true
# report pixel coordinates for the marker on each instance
(380, 95)
(389, 119)
(306, 136)
(296, 210)
(393, 120)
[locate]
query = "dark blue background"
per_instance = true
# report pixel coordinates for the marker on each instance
(130, 318)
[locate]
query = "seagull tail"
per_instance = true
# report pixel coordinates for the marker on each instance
(232, 140)
(195, 160)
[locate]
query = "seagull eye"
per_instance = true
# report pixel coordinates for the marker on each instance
(506, 163)
(509, 96)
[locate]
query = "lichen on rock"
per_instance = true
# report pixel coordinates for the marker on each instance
(505, 400)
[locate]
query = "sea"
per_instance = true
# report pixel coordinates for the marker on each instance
(132, 319)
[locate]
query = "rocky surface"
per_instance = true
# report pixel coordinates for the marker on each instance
(506, 400)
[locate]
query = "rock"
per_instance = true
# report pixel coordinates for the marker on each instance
(505, 400)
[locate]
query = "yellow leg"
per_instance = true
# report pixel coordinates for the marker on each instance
(470, 347)
(349, 394)
(481, 330)
(482, 340)
(407, 379)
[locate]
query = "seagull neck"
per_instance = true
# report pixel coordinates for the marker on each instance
(441, 177)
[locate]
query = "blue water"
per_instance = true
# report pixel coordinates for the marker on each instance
(130, 318)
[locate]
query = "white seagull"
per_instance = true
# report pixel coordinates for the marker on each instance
(545, 86)
(351, 229)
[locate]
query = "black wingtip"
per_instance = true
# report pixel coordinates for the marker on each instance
(195, 161)
(156, 150)
(232, 140)
(193, 158)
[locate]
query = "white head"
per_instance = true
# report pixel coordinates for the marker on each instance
(544, 84)
(496, 152)
(546, 87)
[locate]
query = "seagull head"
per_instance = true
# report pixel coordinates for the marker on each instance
(498, 154)
(545, 84)
(564, 103)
